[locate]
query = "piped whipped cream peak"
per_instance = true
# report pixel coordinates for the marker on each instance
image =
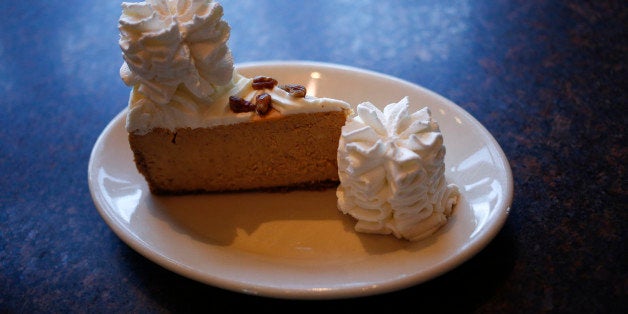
(171, 43)
(391, 167)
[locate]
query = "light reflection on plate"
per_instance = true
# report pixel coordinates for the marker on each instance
(297, 244)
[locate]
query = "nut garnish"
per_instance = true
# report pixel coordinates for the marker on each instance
(295, 90)
(238, 104)
(261, 82)
(263, 103)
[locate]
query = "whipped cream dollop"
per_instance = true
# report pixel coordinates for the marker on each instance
(181, 69)
(391, 167)
(168, 43)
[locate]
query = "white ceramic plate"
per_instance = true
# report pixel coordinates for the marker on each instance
(298, 245)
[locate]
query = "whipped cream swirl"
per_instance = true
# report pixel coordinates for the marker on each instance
(169, 43)
(391, 167)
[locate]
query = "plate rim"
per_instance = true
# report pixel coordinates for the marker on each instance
(470, 249)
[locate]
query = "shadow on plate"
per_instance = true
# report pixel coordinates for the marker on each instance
(307, 218)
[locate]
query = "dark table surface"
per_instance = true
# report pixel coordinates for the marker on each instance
(546, 78)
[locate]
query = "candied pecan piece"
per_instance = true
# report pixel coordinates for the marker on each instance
(295, 90)
(261, 82)
(238, 104)
(263, 103)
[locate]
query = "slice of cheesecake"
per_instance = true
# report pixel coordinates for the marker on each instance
(196, 125)
(291, 142)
